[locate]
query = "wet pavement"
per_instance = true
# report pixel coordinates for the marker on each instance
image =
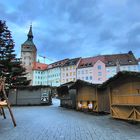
(56, 123)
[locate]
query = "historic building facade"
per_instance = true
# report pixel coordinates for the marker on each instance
(39, 74)
(127, 62)
(93, 69)
(28, 54)
(100, 68)
(69, 70)
(54, 73)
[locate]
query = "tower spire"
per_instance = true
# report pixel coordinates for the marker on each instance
(30, 34)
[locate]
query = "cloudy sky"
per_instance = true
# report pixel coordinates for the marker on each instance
(73, 28)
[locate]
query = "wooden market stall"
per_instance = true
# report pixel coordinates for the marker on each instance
(67, 96)
(31, 95)
(124, 89)
(90, 98)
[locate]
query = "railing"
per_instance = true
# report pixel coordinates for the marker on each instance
(132, 99)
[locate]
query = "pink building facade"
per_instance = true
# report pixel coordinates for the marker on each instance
(92, 70)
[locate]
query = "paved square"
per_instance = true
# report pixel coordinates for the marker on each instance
(56, 123)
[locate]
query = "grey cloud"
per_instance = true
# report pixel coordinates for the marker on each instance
(134, 32)
(106, 35)
(71, 28)
(75, 11)
(58, 49)
(131, 41)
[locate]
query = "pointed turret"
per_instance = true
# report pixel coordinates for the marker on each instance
(28, 48)
(29, 41)
(30, 34)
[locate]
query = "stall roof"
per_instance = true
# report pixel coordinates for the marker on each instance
(69, 83)
(81, 83)
(65, 86)
(34, 87)
(121, 75)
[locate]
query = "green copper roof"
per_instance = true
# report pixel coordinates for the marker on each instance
(28, 43)
(29, 40)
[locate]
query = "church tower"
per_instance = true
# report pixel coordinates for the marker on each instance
(28, 53)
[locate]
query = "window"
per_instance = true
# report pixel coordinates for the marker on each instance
(74, 73)
(108, 70)
(66, 74)
(99, 74)
(99, 79)
(90, 77)
(70, 73)
(87, 78)
(99, 67)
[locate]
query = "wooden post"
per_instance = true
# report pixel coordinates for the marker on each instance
(3, 113)
(110, 99)
(2, 87)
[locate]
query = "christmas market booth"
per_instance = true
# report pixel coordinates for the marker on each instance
(124, 89)
(90, 98)
(31, 95)
(67, 96)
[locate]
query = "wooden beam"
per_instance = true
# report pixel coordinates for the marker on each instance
(131, 112)
(114, 112)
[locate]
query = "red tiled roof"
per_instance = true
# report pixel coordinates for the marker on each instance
(57, 64)
(110, 60)
(90, 61)
(124, 59)
(73, 61)
(39, 66)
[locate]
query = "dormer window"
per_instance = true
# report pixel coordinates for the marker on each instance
(90, 64)
(129, 61)
(109, 62)
(71, 63)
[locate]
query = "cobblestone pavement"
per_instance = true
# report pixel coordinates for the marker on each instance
(56, 123)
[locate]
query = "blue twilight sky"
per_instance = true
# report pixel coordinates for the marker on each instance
(73, 28)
